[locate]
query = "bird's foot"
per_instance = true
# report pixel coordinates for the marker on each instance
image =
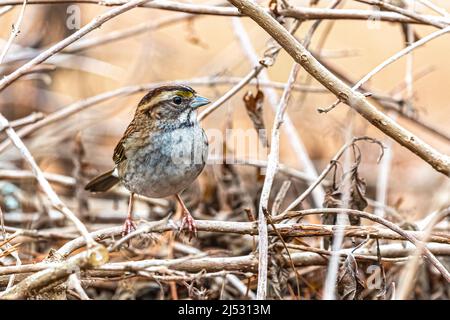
(188, 223)
(128, 227)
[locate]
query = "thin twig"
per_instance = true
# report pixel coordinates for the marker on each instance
(14, 33)
(400, 54)
(435, 8)
(386, 103)
(391, 60)
(405, 12)
(272, 165)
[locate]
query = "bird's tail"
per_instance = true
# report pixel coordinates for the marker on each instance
(103, 182)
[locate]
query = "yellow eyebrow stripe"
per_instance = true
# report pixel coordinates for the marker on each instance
(186, 94)
(165, 95)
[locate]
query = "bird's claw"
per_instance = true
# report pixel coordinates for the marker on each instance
(189, 221)
(128, 227)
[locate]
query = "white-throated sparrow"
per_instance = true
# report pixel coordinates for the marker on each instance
(162, 151)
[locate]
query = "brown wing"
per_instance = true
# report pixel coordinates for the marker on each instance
(119, 150)
(134, 138)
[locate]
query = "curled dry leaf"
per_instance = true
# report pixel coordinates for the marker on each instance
(254, 107)
(357, 199)
(332, 200)
(350, 284)
(273, 6)
(356, 196)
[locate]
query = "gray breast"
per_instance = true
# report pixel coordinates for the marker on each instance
(168, 164)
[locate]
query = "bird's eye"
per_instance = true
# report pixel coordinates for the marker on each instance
(177, 100)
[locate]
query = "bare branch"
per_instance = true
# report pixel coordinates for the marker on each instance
(43, 279)
(440, 162)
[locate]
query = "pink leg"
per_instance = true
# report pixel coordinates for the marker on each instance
(129, 225)
(188, 220)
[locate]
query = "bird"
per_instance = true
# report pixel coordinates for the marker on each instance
(162, 151)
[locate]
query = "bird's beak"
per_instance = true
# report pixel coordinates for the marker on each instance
(199, 101)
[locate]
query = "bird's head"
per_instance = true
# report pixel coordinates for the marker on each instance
(171, 103)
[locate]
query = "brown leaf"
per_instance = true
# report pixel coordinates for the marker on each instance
(273, 6)
(358, 191)
(350, 285)
(254, 107)
(357, 197)
(332, 200)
